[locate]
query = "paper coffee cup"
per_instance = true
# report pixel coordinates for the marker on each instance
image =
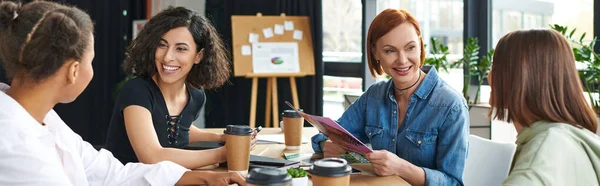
(237, 142)
(293, 129)
(330, 171)
(268, 177)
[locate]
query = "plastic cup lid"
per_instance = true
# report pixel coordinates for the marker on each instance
(291, 114)
(268, 176)
(242, 130)
(331, 167)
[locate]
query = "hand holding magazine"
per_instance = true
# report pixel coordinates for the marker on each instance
(336, 133)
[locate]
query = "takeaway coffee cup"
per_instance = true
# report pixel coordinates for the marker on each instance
(293, 123)
(237, 142)
(268, 177)
(330, 171)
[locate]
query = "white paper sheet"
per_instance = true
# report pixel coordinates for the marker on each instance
(253, 38)
(289, 25)
(268, 32)
(278, 29)
(298, 34)
(274, 138)
(275, 57)
(246, 50)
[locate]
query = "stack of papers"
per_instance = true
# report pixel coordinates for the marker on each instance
(274, 139)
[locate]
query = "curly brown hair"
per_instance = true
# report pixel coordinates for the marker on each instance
(214, 69)
(43, 36)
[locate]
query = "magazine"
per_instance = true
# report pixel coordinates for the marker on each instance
(336, 133)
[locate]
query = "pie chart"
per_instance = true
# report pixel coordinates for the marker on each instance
(276, 60)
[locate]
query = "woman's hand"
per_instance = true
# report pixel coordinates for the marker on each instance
(221, 137)
(211, 178)
(386, 163)
(332, 150)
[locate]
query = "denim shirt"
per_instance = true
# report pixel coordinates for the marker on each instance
(433, 135)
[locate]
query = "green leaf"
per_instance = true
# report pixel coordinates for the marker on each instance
(572, 32)
(297, 172)
(581, 38)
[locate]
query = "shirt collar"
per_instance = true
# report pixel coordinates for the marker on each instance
(425, 88)
(14, 113)
(529, 132)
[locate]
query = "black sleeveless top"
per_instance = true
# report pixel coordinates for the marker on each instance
(172, 131)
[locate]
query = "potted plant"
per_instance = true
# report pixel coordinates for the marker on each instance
(299, 176)
(474, 67)
(482, 71)
(439, 53)
(585, 54)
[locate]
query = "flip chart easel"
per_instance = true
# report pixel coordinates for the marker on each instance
(241, 27)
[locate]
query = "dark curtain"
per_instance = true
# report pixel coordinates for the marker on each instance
(230, 104)
(90, 114)
(3, 78)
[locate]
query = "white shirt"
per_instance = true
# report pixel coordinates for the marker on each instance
(32, 154)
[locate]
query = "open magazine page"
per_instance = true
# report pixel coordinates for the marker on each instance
(336, 133)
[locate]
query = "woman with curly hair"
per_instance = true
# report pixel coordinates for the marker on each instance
(48, 48)
(175, 57)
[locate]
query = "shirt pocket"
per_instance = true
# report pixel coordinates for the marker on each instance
(421, 139)
(375, 135)
(420, 149)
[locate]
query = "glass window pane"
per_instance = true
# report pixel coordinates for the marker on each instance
(342, 20)
(338, 92)
(511, 15)
(342, 42)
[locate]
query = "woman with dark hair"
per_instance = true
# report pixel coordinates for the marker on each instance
(48, 49)
(536, 86)
(417, 125)
(176, 55)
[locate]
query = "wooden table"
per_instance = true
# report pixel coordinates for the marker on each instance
(366, 178)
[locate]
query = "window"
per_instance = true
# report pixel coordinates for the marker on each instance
(342, 20)
(511, 15)
(439, 19)
(342, 54)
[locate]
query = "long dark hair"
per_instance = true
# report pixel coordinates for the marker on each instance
(39, 37)
(211, 72)
(534, 79)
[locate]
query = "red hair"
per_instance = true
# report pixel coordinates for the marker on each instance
(383, 23)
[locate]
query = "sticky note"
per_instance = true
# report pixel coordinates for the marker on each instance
(289, 25)
(298, 34)
(253, 38)
(268, 32)
(246, 50)
(278, 29)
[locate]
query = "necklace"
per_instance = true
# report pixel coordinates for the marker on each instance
(401, 91)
